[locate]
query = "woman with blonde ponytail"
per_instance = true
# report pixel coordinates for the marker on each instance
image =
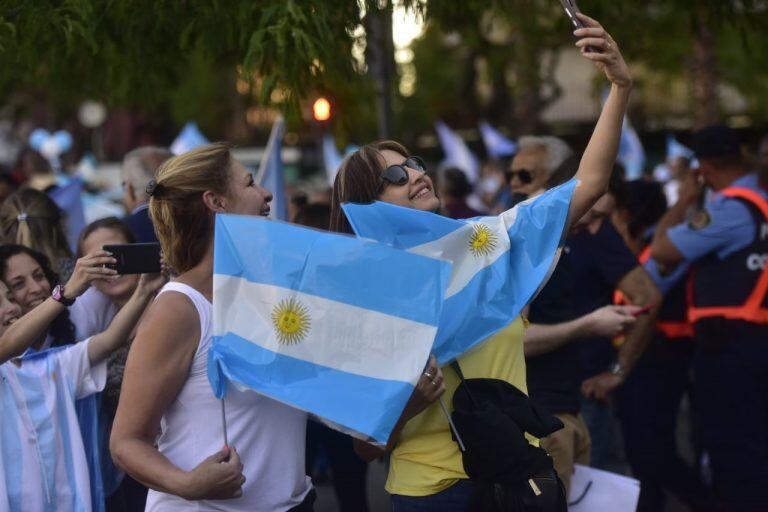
(30, 218)
(165, 384)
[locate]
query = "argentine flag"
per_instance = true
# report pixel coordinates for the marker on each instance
(270, 174)
(496, 144)
(499, 263)
(339, 327)
(188, 139)
(457, 154)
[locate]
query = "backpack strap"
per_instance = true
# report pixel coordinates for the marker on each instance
(457, 369)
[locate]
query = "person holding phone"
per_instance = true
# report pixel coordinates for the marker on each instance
(44, 462)
(426, 471)
(165, 385)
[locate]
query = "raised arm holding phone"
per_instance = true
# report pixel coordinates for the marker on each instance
(426, 467)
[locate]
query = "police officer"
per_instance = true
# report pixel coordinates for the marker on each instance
(727, 243)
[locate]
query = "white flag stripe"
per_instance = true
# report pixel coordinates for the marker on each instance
(455, 247)
(354, 334)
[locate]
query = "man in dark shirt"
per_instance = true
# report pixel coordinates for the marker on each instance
(553, 357)
(568, 313)
(603, 264)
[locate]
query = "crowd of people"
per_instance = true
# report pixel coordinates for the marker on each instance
(105, 402)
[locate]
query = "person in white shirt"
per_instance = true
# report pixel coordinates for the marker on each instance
(43, 459)
(165, 385)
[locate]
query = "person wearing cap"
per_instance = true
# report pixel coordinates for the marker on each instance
(726, 242)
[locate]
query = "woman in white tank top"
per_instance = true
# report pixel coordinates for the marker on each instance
(165, 387)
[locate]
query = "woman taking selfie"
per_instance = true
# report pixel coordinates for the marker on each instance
(426, 471)
(165, 386)
(44, 460)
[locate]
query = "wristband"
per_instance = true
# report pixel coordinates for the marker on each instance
(58, 295)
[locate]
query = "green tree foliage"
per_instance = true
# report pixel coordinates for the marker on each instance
(136, 52)
(180, 58)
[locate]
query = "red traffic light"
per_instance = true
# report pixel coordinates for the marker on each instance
(321, 109)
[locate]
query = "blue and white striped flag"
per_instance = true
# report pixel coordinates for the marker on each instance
(331, 157)
(271, 171)
(631, 153)
(499, 263)
(677, 150)
(327, 323)
(496, 144)
(188, 139)
(457, 154)
(69, 197)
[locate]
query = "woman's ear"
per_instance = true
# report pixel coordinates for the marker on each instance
(214, 201)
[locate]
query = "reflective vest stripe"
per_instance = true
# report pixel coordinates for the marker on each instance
(752, 310)
(675, 330)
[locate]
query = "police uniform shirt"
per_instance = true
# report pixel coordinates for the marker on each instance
(724, 226)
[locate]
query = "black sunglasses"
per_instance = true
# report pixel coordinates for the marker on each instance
(523, 175)
(398, 174)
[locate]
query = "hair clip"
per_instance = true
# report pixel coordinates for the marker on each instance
(22, 217)
(153, 187)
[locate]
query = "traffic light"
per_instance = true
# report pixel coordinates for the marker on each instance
(321, 109)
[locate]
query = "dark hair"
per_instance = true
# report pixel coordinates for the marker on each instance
(112, 223)
(30, 162)
(61, 329)
(645, 203)
(358, 180)
(315, 215)
(456, 183)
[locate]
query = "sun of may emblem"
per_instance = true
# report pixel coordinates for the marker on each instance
(291, 321)
(483, 241)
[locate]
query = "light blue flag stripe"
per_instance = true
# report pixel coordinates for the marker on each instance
(68, 197)
(11, 443)
(495, 294)
(280, 377)
(379, 291)
(271, 171)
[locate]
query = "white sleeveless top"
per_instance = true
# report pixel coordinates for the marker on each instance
(268, 435)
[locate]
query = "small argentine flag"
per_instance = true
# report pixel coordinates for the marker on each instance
(339, 327)
(499, 263)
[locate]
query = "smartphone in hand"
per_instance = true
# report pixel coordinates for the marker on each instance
(571, 9)
(141, 258)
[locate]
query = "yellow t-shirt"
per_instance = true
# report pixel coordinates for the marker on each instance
(426, 459)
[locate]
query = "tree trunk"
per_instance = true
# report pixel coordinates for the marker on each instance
(528, 102)
(381, 61)
(705, 78)
(500, 108)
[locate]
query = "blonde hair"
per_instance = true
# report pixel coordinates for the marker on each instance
(183, 224)
(30, 218)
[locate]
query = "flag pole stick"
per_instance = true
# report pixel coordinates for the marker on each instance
(453, 426)
(224, 422)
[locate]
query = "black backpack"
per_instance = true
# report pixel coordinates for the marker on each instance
(508, 473)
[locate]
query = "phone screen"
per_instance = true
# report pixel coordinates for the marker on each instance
(135, 258)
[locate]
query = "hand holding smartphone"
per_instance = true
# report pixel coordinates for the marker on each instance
(143, 258)
(571, 9)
